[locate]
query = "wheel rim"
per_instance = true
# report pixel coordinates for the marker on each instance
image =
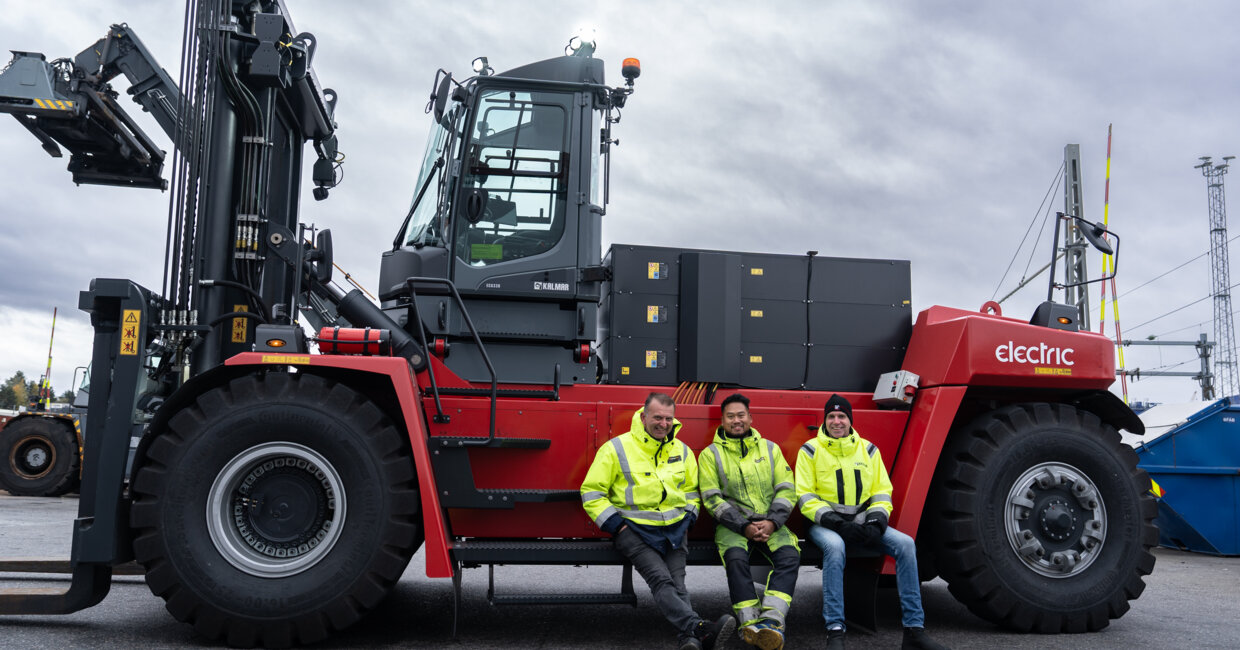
(33, 457)
(1055, 520)
(276, 509)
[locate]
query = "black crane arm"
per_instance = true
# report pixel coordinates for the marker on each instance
(122, 52)
(71, 103)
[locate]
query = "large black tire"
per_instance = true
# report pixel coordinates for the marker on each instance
(1044, 523)
(42, 458)
(276, 510)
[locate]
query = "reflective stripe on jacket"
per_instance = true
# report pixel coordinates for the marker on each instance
(644, 480)
(745, 479)
(844, 475)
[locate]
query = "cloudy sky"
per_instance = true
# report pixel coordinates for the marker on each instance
(929, 131)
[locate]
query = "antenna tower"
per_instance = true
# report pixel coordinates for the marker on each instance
(1225, 370)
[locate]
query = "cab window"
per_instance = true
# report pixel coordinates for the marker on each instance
(513, 191)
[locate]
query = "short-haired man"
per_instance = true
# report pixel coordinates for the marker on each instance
(748, 488)
(844, 490)
(643, 489)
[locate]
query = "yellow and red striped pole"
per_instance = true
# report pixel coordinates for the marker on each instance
(45, 386)
(1106, 268)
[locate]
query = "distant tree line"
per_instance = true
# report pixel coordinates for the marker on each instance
(17, 391)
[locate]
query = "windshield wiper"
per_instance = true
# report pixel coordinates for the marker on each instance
(417, 200)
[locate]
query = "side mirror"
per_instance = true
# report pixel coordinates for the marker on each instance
(441, 97)
(322, 257)
(1093, 233)
(476, 204)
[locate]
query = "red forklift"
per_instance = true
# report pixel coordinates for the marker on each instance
(284, 479)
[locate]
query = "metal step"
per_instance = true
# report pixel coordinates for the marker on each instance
(580, 551)
(564, 599)
(528, 393)
(530, 496)
(625, 596)
(465, 442)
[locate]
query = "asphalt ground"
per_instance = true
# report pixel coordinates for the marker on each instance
(1190, 601)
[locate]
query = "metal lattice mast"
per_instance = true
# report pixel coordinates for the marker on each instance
(1074, 246)
(1224, 335)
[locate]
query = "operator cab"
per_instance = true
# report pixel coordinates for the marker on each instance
(508, 206)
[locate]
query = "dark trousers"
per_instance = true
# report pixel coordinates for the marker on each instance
(785, 566)
(665, 575)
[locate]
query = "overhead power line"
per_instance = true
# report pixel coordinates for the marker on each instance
(1039, 213)
(1182, 307)
(1177, 268)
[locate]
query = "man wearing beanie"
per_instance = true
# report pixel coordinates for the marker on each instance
(844, 491)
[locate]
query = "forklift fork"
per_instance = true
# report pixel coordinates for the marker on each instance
(101, 539)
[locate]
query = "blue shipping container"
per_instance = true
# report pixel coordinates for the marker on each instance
(1197, 464)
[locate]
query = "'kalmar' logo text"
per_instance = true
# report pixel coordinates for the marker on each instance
(1042, 353)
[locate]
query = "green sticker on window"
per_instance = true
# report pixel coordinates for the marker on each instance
(486, 251)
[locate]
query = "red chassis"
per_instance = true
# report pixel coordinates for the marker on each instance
(953, 351)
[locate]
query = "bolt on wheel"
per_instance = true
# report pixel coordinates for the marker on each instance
(33, 457)
(1055, 519)
(276, 509)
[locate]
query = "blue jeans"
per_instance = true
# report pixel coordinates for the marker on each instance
(897, 545)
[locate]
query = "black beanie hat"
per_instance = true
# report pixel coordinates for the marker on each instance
(837, 403)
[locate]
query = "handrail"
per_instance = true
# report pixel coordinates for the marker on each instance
(456, 296)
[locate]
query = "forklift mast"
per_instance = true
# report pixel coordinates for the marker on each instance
(250, 102)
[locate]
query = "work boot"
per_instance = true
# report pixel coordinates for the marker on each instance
(916, 637)
(749, 633)
(770, 636)
(709, 633)
(835, 639)
(690, 643)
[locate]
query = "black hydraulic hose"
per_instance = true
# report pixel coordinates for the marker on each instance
(237, 285)
(236, 314)
(359, 311)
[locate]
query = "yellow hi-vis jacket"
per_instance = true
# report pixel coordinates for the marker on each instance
(641, 479)
(746, 479)
(844, 475)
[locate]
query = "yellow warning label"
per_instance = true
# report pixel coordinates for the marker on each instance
(755, 271)
(755, 358)
(1052, 371)
(131, 325)
(297, 359)
(238, 325)
(652, 358)
(652, 313)
(624, 370)
(652, 270)
(755, 313)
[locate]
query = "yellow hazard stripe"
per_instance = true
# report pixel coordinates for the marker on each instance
(55, 104)
(1156, 489)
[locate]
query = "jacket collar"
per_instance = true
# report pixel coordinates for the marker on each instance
(742, 445)
(750, 438)
(838, 446)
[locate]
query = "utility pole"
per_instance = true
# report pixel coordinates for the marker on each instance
(1204, 377)
(1074, 244)
(1224, 335)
